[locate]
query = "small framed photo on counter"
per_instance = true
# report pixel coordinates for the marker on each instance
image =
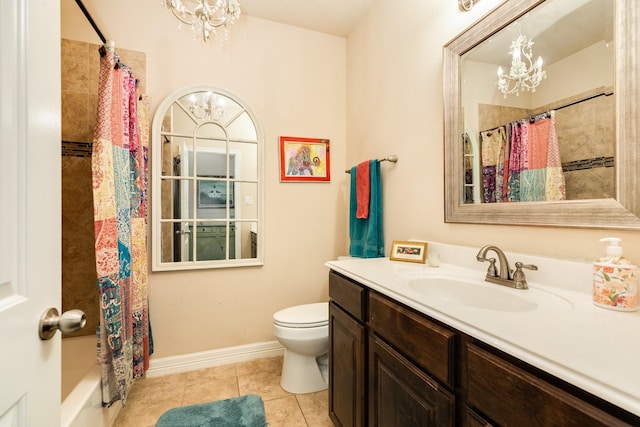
(408, 251)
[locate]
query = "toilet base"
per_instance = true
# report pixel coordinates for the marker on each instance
(301, 374)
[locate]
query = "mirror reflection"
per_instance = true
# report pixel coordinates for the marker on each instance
(537, 106)
(597, 144)
(207, 204)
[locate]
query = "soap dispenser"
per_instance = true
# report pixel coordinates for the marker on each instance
(614, 279)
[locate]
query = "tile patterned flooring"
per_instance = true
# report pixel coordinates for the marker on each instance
(151, 397)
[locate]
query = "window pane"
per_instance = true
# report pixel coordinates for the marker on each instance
(177, 198)
(247, 194)
(247, 160)
(242, 128)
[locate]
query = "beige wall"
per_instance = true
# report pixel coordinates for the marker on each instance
(295, 82)
(298, 83)
(394, 70)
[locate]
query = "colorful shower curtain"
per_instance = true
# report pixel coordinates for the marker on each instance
(521, 162)
(495, 166)
(119, 167)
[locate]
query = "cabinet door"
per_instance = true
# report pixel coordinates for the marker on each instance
(346, 369)
(401, 395)
(511, 396)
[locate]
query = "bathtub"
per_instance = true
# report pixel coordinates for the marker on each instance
(81, 393)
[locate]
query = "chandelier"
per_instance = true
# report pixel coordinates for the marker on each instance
(523, 75)
(203, 106)
(206, 17)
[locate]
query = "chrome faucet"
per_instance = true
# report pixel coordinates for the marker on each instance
(504, 275)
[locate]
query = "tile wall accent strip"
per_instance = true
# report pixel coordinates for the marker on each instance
(596, 162)
(76, 149)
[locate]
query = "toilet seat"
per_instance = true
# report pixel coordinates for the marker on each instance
(303, 316)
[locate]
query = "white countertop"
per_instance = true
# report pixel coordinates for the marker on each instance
(593, 348)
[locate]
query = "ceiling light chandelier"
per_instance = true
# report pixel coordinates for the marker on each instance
(203, 106)
(523, 75)
(206, 17)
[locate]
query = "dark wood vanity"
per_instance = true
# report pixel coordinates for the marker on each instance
(392, 366)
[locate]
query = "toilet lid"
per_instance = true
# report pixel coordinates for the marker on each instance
(303, 316)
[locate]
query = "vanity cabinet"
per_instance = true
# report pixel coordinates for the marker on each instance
(211, 242)
(347, 355)
(420, 372)
(512, 396)
(379, 373)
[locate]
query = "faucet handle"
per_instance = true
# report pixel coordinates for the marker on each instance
(492, 270)
(519, 279)
(520, 266)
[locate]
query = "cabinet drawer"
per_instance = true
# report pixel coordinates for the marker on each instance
(427, 344)
(348, 295)
(510, 396)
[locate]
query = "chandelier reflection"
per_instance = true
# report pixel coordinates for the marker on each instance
(524, 75)
(206, 17)
(204, 107)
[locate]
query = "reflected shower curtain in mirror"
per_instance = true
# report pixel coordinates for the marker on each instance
(119, 168)
(521, 162)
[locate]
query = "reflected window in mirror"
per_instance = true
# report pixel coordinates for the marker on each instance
(584, 95)
(207, 192)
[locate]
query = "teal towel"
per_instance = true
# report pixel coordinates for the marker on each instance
(367, 240)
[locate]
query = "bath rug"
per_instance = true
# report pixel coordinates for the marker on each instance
(243, 411)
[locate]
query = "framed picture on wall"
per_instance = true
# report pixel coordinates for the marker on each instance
(213, 194)
(304, 159)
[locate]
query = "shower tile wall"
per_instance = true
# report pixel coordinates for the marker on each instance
(80, 66)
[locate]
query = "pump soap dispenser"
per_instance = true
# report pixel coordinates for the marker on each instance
(614, 279)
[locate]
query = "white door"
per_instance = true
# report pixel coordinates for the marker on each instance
(29, 210)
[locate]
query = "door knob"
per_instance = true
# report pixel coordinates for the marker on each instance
(70, 321)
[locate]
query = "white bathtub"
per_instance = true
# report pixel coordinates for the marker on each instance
(81, 394)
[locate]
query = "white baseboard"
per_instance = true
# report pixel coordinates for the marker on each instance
(211, 358)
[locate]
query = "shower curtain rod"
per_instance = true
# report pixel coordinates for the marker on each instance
(393, 159)
(569, 104)
(90, 19)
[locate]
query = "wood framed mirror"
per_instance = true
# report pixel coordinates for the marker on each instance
(619, 211)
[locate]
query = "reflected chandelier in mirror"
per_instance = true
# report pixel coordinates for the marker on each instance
(207, 183)
(476, 189)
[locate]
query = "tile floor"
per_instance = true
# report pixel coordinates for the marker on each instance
(150, 397)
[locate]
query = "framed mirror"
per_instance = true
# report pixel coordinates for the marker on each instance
(589, 86)
(207, 182)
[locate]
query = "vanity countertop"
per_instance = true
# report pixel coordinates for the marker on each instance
(593, 348)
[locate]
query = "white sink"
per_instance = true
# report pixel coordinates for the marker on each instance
(482, 295)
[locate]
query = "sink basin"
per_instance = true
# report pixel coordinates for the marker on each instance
(458, 291)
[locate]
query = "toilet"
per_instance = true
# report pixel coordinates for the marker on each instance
(303, 330)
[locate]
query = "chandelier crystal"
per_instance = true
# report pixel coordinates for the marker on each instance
(523, 75)
(206, 17)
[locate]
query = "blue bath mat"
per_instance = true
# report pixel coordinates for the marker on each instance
(243, 411)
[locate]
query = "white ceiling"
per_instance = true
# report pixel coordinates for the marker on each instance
(337, 17)
(558, 29)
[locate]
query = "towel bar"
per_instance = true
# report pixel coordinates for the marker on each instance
(393, 159)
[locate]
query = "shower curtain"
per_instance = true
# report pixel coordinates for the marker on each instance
(119, 168)
(521, 162)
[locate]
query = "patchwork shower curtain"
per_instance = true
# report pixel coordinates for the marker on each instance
(119, 167)
(521, 162)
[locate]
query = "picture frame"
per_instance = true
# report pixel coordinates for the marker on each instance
(408, 251)
(213, 194)
(304, 159)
